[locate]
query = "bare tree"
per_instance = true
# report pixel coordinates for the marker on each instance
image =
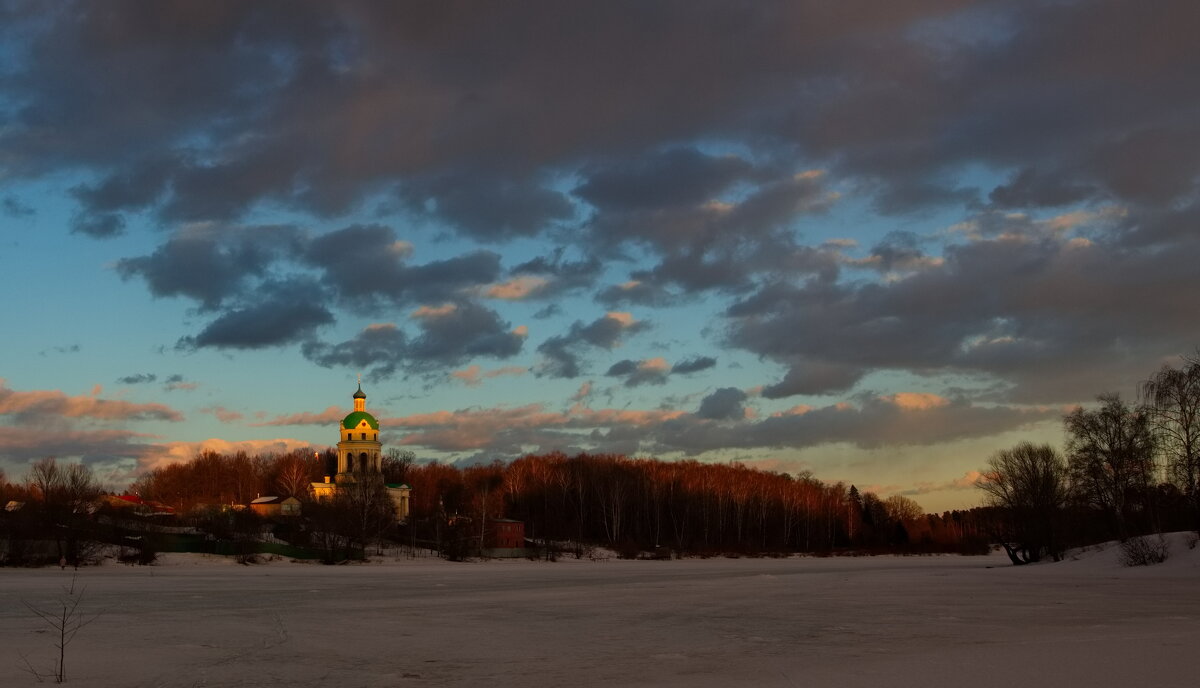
(1029, 484)
(294, 478)
(366, 507)
(395, 465)
(1110, 451)
(1172, 398)
(66, 495)
(901, 508)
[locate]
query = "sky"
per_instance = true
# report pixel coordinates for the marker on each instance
(873, 241)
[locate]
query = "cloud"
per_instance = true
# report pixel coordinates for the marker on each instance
(583, 393)
(637, 292)
(283, 313)
(329, 416)
(98, 226)
(693, 365)
(487, 206)
(450, 334)
(727, 403)
(561, 353)
(356, 100)
(516, 289)
(721, 424)
(223, 414)
(367, 267)
(473, 376)
(968, 481)
(668, 186)
(137, 378)
(72, 349)
(505, 431)
(210, 263)
(14, 207)
(51, 403)
(1036, 312)
(170, 453)
(19, 446)
(653, 371)
(175, 383)
(553, 276)
(673, 177)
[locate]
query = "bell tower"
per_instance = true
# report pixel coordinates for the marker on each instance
(359, 449)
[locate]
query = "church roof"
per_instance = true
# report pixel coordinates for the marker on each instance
(360, 394)
(351, 421)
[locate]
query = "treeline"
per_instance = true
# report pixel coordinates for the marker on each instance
(627, 503)
(686, 506)
(1126, 470)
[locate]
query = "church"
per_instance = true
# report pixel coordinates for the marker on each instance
(360, 453)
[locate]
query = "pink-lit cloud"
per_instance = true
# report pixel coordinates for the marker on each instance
(474, 375)
(56, 403)
(223, 414)
(20, 445)
(329, 416)
(165, 454)
(516, 289)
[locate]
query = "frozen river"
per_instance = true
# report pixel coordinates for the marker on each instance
(884, 621)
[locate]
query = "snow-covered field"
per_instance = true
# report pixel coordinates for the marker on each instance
(884, 621)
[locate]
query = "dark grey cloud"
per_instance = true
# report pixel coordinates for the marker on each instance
(562, 353)
(693, 365)
(134, 187)
(1030, 188)
(814, 377)
(871, 422)
(366, 266)
(282, 313)
(1038, 312)
(380, 349)
(638, 293)
(671, 178)
(98, 225)
(874, 422)
(489, 122)
(137, 378)
(464, 332)
(15, 207)
(449, 335)
(318, 105)
(211, 263)
(490, 208)
(560, 275)
(726, 403)
(622, 368)
(548, 311)
(638, 373)
(898, 250)
(69, 349)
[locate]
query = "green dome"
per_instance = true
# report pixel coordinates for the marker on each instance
(351, 421)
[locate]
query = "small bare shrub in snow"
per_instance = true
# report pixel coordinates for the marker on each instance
(64, 619)
(1144, 551)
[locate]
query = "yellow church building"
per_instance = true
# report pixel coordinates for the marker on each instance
(359, 453)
